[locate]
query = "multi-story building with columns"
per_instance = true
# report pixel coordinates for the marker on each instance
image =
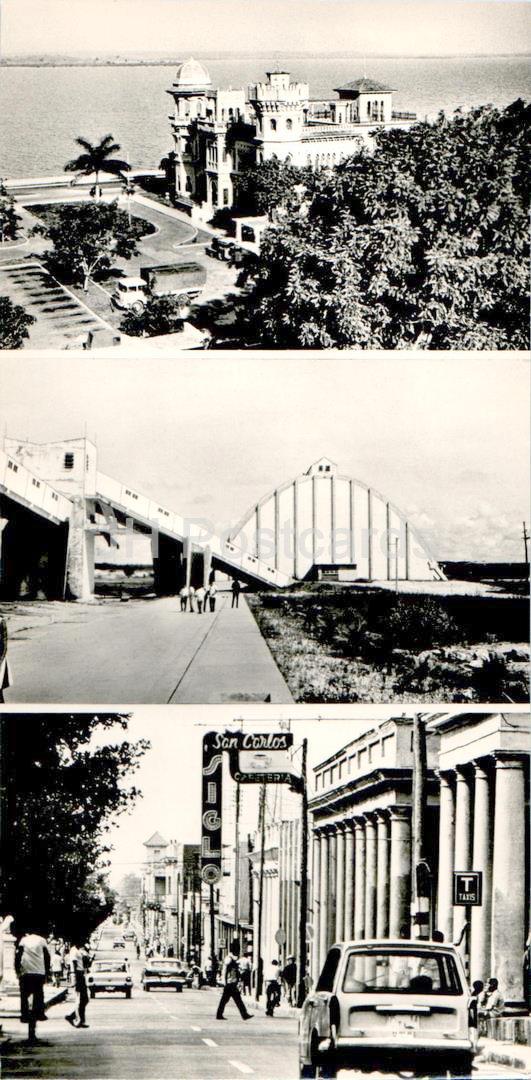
(477, 788)
(218, 134)
(484, 825)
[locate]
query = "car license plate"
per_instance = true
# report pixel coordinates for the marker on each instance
(110, 988)
(404, 1026)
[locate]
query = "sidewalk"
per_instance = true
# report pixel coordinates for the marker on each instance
(232, 664)
(10, 1006)
(495, 1052)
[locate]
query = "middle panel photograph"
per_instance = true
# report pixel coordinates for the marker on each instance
(264, 530)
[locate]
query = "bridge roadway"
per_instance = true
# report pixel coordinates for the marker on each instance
(140, 652)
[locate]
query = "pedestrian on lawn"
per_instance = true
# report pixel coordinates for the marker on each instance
(32, 965)
(184, 594)
(77, 961)
(236, 590)
(200, 596)
(231, 978)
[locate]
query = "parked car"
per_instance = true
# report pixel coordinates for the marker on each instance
(221, 247)
(110, 976)
(167, 973)
(388, 1006)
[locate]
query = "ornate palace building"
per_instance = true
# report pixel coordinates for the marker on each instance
(218, 134)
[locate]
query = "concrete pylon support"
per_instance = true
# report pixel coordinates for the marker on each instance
(463, 844)
(340, 884)
(295, 529)
(351, 519)
(481, 915)
(349, 881)
(207, 566)
(323, 900)
(382, 887)
(187, 558)
(508, 878)
(359, 879)
(400, 873)
(369, 535)
(446, 856)
(80, 554)
(3, 523)
(332, 863)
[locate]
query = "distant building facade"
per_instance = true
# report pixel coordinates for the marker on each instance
(219, 134)
(171, 897)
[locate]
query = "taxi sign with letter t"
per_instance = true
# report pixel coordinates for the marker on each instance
(468, 888)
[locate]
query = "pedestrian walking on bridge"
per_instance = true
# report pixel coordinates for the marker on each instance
(236, 590)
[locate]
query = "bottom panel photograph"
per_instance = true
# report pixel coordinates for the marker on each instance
(280, 893)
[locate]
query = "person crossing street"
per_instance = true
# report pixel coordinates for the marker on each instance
(231, 990)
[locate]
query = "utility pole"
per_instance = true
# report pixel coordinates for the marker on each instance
(213, 957)
(261, 826)
(303, 895)
(237, 864)
(526, 538)
(421, 878)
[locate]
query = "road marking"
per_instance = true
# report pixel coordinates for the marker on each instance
(193, 1028)
(241, 1067)
(209, 1042)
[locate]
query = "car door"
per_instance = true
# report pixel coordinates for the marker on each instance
(324, 990)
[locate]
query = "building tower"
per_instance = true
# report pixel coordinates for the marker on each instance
(281, 108)
(189, 91)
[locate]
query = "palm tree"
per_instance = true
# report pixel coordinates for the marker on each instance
(96, 160)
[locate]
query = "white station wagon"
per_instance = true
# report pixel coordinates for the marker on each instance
(388, 1006)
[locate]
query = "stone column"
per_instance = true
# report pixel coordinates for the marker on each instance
(332, 863)
(446, 856)
(340, 883)
(482, 848)
(370, 877)
(400, 873)
(359, 879)
(80, 553)
(508, 878)
(463, 843)
(323, 900)
(349, 881)
(382, 889)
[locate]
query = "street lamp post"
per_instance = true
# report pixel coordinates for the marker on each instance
(303, 896)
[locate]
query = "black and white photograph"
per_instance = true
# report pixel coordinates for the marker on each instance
(266, 530)
(264, 174)
(192, 895)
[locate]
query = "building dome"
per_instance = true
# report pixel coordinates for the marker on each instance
(192, 74)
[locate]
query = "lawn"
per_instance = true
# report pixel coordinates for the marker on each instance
(47, 211)
(344, 645)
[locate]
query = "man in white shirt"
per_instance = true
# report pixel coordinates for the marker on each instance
(32, 964)
(76, 961)
(231, 978)
(272, 986)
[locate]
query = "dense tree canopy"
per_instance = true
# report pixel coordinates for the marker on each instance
(421, 244)
(9, 219)
(14, 323)
(86, 238)
(161, 315)
(61, 794)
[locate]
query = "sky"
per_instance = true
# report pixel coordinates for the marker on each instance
(371, 27)
(169, 776)
(444, 438)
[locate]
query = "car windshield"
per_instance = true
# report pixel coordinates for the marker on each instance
(107, 965)
(401, 971)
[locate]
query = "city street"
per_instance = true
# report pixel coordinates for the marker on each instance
(167, 1036)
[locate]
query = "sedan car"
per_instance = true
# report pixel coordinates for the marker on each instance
(110, 976)
(166, 973)
(388, 1006)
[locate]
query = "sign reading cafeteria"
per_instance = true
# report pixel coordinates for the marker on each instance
(467, 888)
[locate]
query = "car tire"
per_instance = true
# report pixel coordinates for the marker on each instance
(307, 1072)
(147, 989)
(128, 994)
(461, 1066)
(137, 307)
(178, 989)
(92, 993)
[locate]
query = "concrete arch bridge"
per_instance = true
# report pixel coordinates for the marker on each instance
(54, 503)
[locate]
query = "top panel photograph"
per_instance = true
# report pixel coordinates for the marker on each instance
(226, 174)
